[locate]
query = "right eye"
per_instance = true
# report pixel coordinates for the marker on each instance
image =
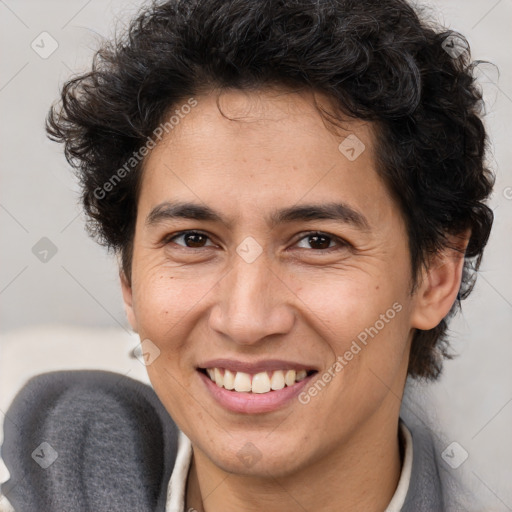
(189, 239)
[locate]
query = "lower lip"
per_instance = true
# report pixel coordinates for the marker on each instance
(253, 403)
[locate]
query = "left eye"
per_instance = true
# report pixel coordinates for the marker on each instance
(192, 239)
(319, 241)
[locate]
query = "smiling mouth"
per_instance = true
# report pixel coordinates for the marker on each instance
(259, 383)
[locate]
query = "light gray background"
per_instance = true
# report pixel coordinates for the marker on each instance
(78, 287)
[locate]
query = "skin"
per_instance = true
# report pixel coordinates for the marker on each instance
(297, 301)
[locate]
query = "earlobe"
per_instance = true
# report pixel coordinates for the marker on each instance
(126, 289)
(439, 286)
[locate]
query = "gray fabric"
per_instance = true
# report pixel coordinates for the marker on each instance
(114, 441)
(425, 493)
(117, 446)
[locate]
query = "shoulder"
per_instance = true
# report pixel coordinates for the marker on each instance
(88, 437)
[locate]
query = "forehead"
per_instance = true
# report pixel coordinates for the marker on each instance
(257, 115)
(248, 151)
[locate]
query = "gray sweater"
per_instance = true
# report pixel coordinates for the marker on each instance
(83, 441)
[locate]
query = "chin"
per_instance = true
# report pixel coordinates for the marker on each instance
(257, 457)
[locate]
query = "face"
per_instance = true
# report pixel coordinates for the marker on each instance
(269, 258)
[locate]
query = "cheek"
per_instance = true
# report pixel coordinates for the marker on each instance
(163, 300)
(365, 322)
(345, 305)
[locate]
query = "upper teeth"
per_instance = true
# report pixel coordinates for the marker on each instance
(258, 383)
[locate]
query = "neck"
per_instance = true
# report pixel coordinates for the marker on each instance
(361, 476)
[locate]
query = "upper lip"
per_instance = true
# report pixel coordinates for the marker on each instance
(254, 367)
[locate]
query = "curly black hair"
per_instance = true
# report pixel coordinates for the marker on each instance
(378, 60)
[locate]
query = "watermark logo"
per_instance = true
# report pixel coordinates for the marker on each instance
(45, 455)
(44, 45)
(44, 250)
(249, 249)
(454, 455)
(146, 352)
(351, 147)
(249, 455)
(454, 46)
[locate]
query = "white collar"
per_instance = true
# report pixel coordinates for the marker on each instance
(398, 499)
(177, 484)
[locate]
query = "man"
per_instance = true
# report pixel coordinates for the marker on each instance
(296, 192)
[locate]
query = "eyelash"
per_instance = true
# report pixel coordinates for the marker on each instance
(341, 243)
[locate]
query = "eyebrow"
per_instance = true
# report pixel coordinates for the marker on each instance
(179, 210)
(341, 212)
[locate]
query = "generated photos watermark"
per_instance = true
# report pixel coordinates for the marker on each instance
(143, 151)
(357, 345)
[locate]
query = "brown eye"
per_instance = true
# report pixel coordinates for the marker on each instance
(195, 239)
(318, 241)
(191, 239)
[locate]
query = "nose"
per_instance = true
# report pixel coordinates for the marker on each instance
(253, 303)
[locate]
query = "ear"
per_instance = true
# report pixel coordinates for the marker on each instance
(126, 288)
(440, 284)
